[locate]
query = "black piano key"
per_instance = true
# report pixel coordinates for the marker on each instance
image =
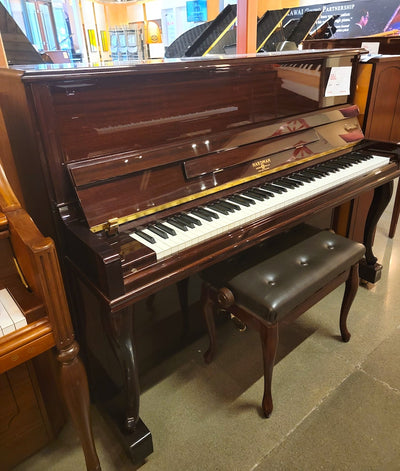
(210, 213)
(328, 168)
(219, 208)
(241, 200)
(298, 183)
(165, 228)
(254, 194)
(321, 171)
(347, 162)
(145, 236)
(184, 220)
(341, 163)
(178, 224)
(284, 184)
(353, 160)
(265, 193)
(229, 205)
(203, 214)
(302, 178)
(273, 188)
(360, 156)
(312, 171)
(292, 182)
(191, 219)
(158, 231)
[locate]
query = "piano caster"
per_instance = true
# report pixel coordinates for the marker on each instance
(370, 273)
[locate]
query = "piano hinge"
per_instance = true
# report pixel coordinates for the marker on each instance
(21, 275)
(111, 226)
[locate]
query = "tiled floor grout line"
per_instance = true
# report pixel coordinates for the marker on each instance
(377, 380)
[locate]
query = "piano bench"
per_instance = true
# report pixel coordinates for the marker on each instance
(275, 282)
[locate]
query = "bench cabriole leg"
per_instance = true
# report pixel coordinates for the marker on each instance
(348, 298)
(269, 342)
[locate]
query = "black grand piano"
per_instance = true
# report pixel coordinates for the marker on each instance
(148, 172)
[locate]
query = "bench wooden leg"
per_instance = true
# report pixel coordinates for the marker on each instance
(348, 298)
(396, 212)
(269, 342)
(208, 313)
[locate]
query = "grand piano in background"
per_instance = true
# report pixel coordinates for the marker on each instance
(18, 48)
(149, 172)
(219, 36)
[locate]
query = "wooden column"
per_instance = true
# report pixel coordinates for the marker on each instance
(246, 26)
(213, 9)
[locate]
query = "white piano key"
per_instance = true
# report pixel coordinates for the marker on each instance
(6, 324)
(12, 308)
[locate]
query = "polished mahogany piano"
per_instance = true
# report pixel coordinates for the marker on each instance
(148, 172)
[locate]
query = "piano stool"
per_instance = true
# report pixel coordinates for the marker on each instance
(277, 281)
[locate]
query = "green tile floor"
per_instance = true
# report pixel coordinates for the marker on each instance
(337, 406)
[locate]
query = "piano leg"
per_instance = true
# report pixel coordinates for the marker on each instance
(76, 393)
(135, 436)
(370, 269)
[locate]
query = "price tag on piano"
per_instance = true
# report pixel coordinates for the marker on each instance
(339, 81)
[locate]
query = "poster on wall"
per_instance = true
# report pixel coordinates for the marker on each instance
(357, 18)
(196, 11)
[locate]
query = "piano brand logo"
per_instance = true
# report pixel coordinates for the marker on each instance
(262, 165)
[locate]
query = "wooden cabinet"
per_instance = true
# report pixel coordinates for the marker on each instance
(382, 113)
(31, 411)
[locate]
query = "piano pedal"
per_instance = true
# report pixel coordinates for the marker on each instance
(240, 326)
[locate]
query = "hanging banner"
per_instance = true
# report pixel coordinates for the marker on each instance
(357, 18)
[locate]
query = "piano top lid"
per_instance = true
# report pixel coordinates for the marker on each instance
(69, 71)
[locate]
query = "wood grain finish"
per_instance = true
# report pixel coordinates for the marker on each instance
(37, 260)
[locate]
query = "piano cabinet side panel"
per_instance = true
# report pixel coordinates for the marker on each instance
(27, 421)
(383, 113)
(25, 150)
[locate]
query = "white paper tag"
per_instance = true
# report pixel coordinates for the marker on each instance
(339, 81)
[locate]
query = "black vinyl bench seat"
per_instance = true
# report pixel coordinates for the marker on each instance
(278, 280)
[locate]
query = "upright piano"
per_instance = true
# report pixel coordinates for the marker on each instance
(148, 172)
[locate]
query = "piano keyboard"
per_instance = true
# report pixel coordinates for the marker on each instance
(176, 233)
(11, 316)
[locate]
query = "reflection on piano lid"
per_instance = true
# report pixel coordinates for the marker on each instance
(11, 316)
(303, 79)
(200, 40)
